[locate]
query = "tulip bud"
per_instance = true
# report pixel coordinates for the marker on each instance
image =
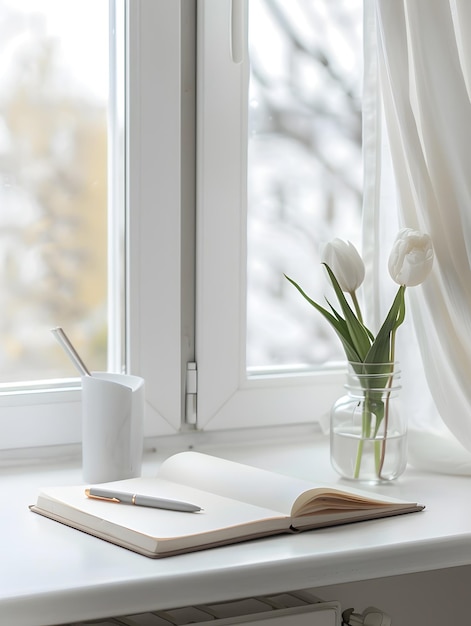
(346, 264)
(411, 257)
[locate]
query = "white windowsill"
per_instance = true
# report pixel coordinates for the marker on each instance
(52, 574)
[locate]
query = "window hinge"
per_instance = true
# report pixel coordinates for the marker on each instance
(191, 393)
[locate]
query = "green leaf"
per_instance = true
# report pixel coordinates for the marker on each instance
(380, 351)
(352, 354)
(336, 313)
(358, 333)
(336, 321)
(402, 309)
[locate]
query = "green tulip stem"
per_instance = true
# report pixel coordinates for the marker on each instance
(386, 404)
(356, 472)
(357, 306)
(365, 432)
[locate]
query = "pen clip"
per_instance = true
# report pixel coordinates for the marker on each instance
(89, 495)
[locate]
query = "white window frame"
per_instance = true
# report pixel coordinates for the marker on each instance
(162, 299)
(227, 397)
(161, 177)
(159, 241)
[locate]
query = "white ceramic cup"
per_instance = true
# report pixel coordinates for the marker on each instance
(112, 426)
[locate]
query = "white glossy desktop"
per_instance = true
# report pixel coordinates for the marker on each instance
(51, 574)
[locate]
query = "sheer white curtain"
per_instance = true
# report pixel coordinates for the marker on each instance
(418, 86)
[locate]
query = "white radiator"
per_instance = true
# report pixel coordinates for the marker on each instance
(298, 608)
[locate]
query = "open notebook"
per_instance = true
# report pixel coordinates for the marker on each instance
(239, 502)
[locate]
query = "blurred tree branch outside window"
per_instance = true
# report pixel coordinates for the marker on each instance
(53, 192)
(304, 168)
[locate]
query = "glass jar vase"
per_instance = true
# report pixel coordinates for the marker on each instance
(368, 430)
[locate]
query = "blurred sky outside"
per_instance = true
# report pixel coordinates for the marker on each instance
(77, 27)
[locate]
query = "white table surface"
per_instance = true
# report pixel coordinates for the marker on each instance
(51, 574)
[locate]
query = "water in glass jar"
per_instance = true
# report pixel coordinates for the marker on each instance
(345, 449)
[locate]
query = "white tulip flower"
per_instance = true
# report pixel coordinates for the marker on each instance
(411, 258)
(346, 264)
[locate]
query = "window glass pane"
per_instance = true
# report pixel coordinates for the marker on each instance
(304, 168)
(54, 83)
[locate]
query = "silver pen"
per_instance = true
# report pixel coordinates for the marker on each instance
(121, 497)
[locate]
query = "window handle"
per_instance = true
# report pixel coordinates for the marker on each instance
(237, 31)
(370, 617)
